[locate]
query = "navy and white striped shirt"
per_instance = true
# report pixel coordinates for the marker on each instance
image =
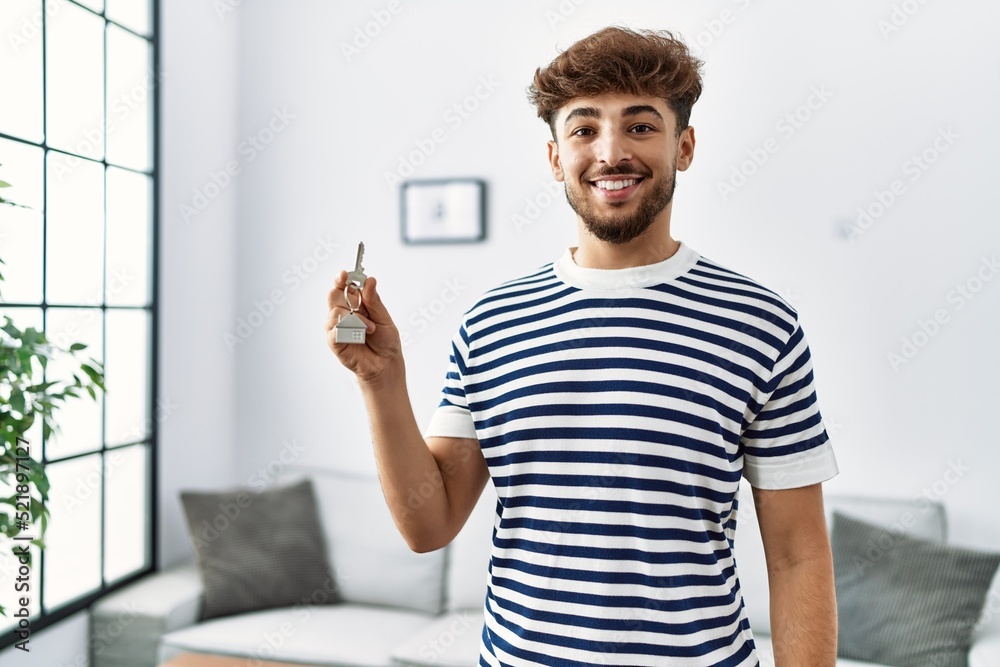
(617, 411)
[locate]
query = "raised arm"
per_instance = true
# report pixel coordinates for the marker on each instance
(431, 486)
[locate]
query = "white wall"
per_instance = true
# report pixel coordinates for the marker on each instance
(62, 645)
(198, 249)
(896, 431)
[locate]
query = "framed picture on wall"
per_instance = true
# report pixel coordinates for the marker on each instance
(448, 210)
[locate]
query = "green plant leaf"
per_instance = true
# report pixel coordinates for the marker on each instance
(17, 400)
(10, 329)
(91, 372)
(4, 184)
(42, 483)
(39, 388)
(13, 203)
(77, 346)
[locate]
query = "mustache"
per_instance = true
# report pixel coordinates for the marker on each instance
(619, 171)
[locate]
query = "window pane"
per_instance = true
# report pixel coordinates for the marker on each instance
(128, 238)
(24, 318)
(130, 88)
(75, 230)
(134, 14)
(21, 64)
(21, 228)
(127, 514)
(21, 251)
(126, 376)
(22, 168)
(79, 419)
(96, 5)
(73, 537)
(74, 51)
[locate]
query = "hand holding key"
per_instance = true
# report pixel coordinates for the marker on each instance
(368, 342)
(351, 329)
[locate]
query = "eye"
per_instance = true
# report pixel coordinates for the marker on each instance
(576, 132)
(647, 130)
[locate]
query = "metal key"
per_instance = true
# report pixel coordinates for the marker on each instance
(350, 328)
(357, 276)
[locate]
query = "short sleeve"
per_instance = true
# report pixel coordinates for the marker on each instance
(786, 445)
(452, 417)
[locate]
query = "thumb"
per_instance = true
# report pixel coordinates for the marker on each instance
(373, 302)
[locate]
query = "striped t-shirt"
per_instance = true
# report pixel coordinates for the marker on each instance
(617, 411)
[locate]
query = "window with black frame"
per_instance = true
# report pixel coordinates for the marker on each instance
(77, 146)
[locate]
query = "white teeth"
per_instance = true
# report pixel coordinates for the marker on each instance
(615, 185)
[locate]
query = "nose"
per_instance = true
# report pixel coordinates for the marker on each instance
(611, 148)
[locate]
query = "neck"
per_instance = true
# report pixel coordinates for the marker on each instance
(652, 246)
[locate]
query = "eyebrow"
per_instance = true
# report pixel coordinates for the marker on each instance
(594, 112)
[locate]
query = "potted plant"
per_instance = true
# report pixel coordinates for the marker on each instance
(24, 398)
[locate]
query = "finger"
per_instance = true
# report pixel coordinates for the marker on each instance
(334, 316)
(335, 297)
(373, 302)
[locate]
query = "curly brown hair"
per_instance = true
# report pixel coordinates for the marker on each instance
(645, 63)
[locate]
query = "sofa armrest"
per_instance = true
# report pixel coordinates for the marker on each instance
(126, 626)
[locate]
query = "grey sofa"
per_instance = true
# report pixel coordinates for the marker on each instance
(399, 607)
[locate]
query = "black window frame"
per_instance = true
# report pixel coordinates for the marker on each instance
(49, 617)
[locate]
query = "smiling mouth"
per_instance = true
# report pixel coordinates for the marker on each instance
(612, 188)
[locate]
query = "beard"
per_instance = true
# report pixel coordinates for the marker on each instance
(619, 228)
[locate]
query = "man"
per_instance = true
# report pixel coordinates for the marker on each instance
(616, 396)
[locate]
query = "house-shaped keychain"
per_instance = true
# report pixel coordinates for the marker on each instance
(350, 329)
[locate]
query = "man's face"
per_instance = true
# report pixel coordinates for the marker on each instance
(618, 155)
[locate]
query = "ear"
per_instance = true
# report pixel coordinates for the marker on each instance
(554, 160)
(685, 149)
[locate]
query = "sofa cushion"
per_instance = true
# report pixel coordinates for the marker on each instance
(371, 560)
(341, 635)
(450, 641)
(905, 601)
(257, 550)
(920, 518)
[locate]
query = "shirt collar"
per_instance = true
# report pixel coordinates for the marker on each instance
(567, 270)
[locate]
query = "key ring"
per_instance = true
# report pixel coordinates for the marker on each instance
(348, 299)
